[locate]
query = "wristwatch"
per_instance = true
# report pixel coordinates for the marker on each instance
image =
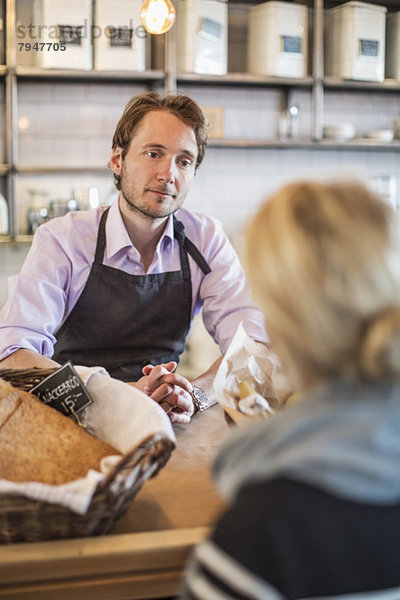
(200, 399)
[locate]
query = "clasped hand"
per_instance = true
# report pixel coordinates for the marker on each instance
(169, 389)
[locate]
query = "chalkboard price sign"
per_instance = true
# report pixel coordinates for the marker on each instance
(64, 390)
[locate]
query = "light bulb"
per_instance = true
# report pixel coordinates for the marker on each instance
(157, 16)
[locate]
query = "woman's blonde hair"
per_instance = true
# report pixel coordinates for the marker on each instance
(324, 261)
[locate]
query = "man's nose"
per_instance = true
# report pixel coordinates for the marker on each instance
(166, 171)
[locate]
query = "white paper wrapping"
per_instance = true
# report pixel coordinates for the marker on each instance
(247, 360)
(119, 415)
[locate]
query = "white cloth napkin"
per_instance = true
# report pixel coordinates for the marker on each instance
(119, 415)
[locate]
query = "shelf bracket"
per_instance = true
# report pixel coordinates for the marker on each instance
(170, 61)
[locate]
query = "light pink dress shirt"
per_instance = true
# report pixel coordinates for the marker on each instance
(57, 266)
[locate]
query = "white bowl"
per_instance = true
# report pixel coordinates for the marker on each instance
(342, 131)
(380, 135)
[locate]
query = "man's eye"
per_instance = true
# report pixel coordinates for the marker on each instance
(152, 154)
(185, 162)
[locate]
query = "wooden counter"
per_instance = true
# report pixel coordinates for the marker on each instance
(145, 555)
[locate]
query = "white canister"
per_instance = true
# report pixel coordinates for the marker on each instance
(4, 225)
(278, 39)
(119, 39)
(202, 36)
(65, 28)
(355, 41)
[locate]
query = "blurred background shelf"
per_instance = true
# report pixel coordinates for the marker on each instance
(244, 79)
(51, 170)
(57, 122)
(324, 144)
(37, 73)
(389, 85)
(30, 145)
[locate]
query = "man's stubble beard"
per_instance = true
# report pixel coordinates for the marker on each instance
(146, 209)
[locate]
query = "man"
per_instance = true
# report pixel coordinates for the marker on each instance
(119, 287)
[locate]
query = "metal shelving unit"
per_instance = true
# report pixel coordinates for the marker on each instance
(245, 80)
(389, 85)
(37, 74)
(48, 170)
(317, 83)
(14, 75)
(355, 144)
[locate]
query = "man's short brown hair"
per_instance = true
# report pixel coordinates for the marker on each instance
(183, 107)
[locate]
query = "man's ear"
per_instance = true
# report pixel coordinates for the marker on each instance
(116, 160)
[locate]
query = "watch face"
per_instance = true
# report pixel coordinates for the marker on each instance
(200, 398)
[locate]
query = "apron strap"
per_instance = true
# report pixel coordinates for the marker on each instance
(197, 256)
(101, 238)
(189, 247)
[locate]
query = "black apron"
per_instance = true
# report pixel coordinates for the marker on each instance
(124, 322)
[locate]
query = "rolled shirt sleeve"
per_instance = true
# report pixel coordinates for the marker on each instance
(38, 297)
(224, 294)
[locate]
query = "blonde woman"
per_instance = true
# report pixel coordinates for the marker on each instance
(314, 493)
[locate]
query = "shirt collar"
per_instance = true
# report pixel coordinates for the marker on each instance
(169, 229)
(117, 237)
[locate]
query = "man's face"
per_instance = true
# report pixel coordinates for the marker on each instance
(159, 167)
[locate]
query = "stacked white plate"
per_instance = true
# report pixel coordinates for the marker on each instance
(380, 135)
(342, 132)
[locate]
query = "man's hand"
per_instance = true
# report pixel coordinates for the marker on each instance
(169, 389)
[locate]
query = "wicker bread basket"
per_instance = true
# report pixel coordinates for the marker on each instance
(24, 519)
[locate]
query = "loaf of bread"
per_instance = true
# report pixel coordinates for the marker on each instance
(38, 443)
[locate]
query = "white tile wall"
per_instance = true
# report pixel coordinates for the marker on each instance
(367, 111)
(69, 124)
(252, 113)
(230, 184)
